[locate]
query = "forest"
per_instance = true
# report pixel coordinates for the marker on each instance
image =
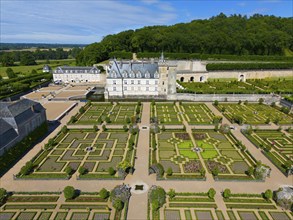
(257, 35)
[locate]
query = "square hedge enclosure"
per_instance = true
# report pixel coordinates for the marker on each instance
(95, 113)
(254, 113)
(276, 145)
(183, 153)
(95, 151)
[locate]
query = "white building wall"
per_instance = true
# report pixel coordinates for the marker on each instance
(77, 77)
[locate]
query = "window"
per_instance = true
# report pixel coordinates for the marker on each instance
(147, 88)
(156, 82)
(132, 88)
(163, 83)
(125, 88)
(156, 89)
(125, 82)
(114, 88)
(138, 88)
(147, 82)
(138, 82)
(114, 82)
(132, 81)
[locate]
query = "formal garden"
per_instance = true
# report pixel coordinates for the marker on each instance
(172, 205)
(115, 113)
(71, 204)
(165, 113)
(196, 113)
(275, 144)
(176, 154)
(93, 154)
(280, 86)
(254, 114)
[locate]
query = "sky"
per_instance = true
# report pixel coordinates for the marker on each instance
(88, 21)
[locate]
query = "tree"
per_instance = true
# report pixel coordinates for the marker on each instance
(227, 193)
(127, 120)
(104, 128)
(267, 121)
(73, 119)
(69, 170)
(169, 171)
(7, 60)
(216, 103)
(215, 171)
(3, 194)
(261, 101)
(237, 119)
(81, 110)
(27, 168)
(82, 170)
(33, 72)
(171, 193)
(95, 127)
(211, 193)
(163, 128)
(104, 194)
(125, 128)
(157, 197)
(27, 58)
(118, 204)
(69, 192)
(111, 171)
(239, 102)
(10, 73)
(250, 171)
(268, 194)
(64, 129)
(107, 119)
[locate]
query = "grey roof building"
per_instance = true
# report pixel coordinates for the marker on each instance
(17, 120)
(77, 69)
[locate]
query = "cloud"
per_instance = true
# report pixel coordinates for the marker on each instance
(74, 20)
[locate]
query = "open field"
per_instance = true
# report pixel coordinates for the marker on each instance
(95, 151)
(51, 206)
(276, 145)
(254, 113)
(39, 67)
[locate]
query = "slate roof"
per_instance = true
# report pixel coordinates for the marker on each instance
(130, 69)
(7, 133)
(76, 69)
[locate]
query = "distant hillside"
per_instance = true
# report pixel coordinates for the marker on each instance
(34, 46)
(234, 35)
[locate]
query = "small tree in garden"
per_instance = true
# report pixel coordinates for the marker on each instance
(104, 128)
(69, 170)
(227, 193)
(239, 102)
(118, 204)
(216, 103)
(169, 171)
(245, 102)
(171, 193)
(73, 119)
(202, 172)
(250, 171)
(215, 171)
(108, 120)
(125, 128)
(81, 110)
(95, 127)
(268, 121)
(157, 197)
(3, 195)
(268, 194)
(82, 170)
(127, 120)
(261, 101)
(223, 109)
(64, 129)
(27, 168)
(104, 194)
(69, 192)
(163, 128)
(273, 104)
(211, 193)
(111, 171)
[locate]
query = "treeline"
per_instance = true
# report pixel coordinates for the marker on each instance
(29, 57)
(197, 56)
(248, 66)
(20, 84)
(236, 35)
(21, 46)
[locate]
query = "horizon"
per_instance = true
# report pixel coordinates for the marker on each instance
(51, 22)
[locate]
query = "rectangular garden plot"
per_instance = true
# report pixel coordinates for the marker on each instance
(196, 114)
(175, 152)
(276, 145)
(104, 151)
(222, 155)
(254, 113)
(166, 113)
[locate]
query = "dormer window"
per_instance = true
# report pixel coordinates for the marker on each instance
(147, 74)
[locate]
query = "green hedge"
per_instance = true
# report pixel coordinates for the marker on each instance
(193, 205)
(15, 153)
(248, 66)
(248, 206)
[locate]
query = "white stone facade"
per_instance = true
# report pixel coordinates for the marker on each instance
(77, 75)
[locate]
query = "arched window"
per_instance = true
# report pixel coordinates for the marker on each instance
(201, 79)
(191, 79)
(182, 79)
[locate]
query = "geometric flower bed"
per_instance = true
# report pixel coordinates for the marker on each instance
(95, 151)
(197, 113)
(166, 113)
(254, 113)
(175, 151)
(220, 152)
(97, 112)
(276, 145)
(42, 206)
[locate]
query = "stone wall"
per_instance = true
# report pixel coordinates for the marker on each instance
(250, 74)
(268, 99)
